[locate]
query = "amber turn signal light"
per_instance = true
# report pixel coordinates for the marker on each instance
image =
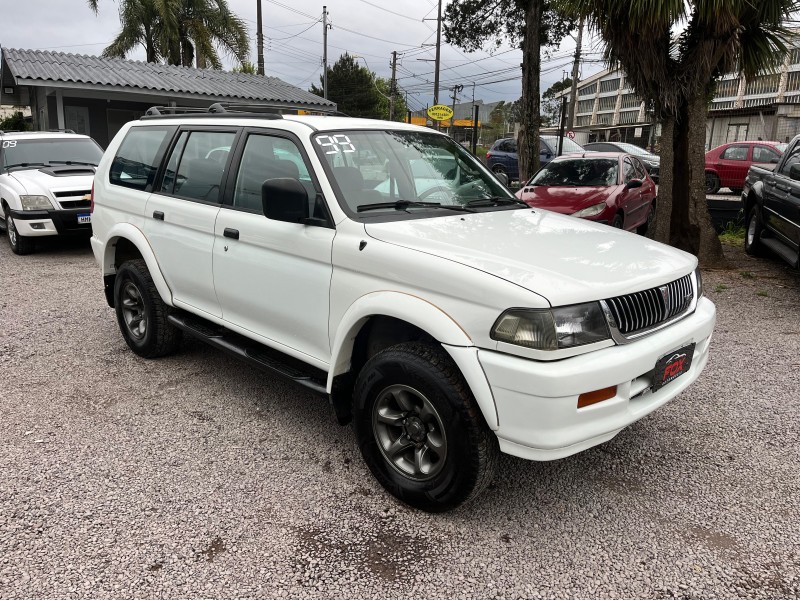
(596, 396)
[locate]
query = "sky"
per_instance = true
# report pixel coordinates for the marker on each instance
(371, 29)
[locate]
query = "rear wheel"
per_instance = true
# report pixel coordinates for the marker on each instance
(712, 183)
(752, 235)
(498, 168)
(19, 243)
(419, 428)
(647, 226)
(141, 313)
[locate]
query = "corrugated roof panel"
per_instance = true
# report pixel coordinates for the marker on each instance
(95, 70)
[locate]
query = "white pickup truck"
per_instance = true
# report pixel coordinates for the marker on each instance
(45, 185)
(384, 267)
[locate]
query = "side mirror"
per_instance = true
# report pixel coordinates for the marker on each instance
(284, 199)
(633, 183)
(502, 178)
(794, 172)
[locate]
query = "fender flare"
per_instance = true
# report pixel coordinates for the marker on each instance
(399, 305)
(757, 194)
(135, 236)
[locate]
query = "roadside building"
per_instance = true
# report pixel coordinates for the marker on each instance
(97, 96)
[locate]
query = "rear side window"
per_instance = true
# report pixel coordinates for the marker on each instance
(138, 157)
(201, 158)
(735, 153)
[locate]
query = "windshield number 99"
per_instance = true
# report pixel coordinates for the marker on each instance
(337, 143)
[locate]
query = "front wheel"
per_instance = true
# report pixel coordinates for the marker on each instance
(19, 243)
(141, 313)
(712, 183)
(618, 221)
(752, 235)
(420, 430)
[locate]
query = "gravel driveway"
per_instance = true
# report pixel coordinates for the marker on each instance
(197, 476)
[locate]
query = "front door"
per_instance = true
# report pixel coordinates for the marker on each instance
(272, 277)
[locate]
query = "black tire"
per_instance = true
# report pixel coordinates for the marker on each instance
(498, 168)
(618, 221)
(461, 451)
(141, 313)
(736, 191)
(752, 233)
(647, 226)
(712, 183)
(19, 243)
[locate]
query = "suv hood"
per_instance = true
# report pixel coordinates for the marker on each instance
(564, 259)
(44, 181)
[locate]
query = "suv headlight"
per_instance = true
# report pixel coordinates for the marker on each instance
(35, 202)
(555, 329)
(699, 279)
(590, 211)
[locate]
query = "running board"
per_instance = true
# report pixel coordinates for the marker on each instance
(781, 249)
(258, 355)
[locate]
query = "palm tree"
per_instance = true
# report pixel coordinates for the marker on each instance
(181, 32)
(672, 51)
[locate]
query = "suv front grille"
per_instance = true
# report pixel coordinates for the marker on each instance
(643, 310)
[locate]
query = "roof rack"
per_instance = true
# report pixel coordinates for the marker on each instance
(218, 109)
(60, 131)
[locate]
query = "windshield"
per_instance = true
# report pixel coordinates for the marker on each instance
(38, 152)
(567, 145)
(407, 171)
(781, 147)
(578, 172)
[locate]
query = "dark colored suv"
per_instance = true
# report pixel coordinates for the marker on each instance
(502, 156)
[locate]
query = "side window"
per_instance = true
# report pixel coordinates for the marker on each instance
(641, 172)
(792, 159)
(168, 181)
(628, 171)
(734, 153)
(763, 154)
(138, 157)
(268, 157)
(201, 165)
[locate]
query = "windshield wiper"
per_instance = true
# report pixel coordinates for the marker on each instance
(495, 201)
(73, 162)
(404, 204)
(26, 164)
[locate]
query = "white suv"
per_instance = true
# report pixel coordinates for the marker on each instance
(45, 185)
(382, 266)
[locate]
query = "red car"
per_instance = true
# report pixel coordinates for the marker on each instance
(727, 165)
(608, 187)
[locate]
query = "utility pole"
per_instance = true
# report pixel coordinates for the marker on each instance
(438, 54)
(393, 85)
(325, 26)
(573, 99)
(259, 38)
(456, 89)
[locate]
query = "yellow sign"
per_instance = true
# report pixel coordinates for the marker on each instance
(440, 112)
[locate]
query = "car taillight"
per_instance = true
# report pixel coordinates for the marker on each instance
(488, 155)
(91, 200)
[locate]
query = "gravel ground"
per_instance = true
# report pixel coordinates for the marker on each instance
(196, 476)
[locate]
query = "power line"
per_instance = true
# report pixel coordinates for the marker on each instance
(390, 11)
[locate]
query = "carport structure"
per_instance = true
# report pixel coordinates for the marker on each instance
(97, 96)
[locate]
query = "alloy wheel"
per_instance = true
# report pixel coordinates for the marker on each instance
(133, 311)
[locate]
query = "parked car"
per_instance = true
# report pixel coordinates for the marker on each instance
(771, 203)
(607, 187)
(442, 316)
(502, 156)
(727, 165)
(652, 162)
(45, 182)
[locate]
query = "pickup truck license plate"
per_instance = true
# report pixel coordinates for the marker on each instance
(671, 366)
(84, 218)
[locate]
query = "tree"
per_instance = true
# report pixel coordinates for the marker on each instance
(181, 32)
(400, 108)
(532, 24)
(14, 122)
(246, 67)
(551, 106)
(672, 51)
(353, 88)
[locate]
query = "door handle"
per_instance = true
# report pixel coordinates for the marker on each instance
(157, 214)
(231, 233)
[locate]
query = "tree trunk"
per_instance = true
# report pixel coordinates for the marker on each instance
(666, 175)
(689, 226)
(528, 141)
(150, 44)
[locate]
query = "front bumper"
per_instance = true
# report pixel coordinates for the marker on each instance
(536, 402)
(36, 223)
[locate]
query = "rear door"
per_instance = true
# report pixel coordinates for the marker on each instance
(733, 164)
(273, 276)
(182, 211)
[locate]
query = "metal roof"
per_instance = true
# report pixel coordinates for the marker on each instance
(29, 67)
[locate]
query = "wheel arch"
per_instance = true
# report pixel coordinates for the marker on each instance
(126, 242)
